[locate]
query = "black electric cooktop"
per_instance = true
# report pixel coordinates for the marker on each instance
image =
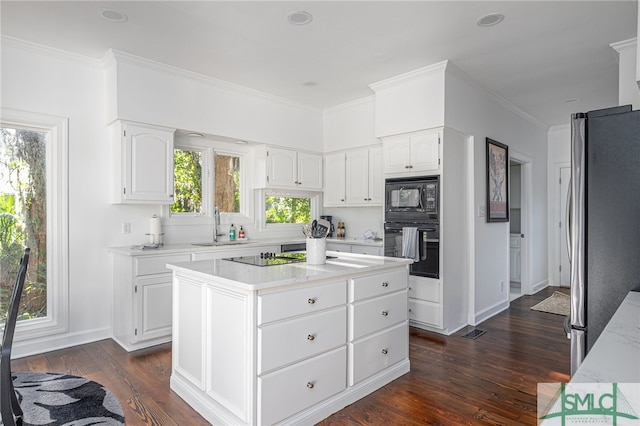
(271, 259)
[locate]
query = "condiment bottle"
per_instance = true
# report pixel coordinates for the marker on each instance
(241, 233)
(232, 233)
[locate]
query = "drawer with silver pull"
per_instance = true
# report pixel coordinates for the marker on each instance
(375, 314)
(290, 390)
(377, 352)
(304, 300)
(284, 342)
(376, 285)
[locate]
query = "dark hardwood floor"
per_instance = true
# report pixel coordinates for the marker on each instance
(453, 380)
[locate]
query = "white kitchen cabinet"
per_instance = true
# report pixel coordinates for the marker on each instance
(285, 168)
(441, 304)
(412, 153)
(142, 299)
(354, 178)
(142, 164)
(334, 180)
(142, 292)
(289, 354)
(364, 177)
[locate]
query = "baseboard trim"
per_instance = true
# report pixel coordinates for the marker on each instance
(58, 341)
(539, 286)
(490, 312)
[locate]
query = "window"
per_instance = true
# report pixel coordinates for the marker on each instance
(34, 213)
(286, 209)
(204, 177)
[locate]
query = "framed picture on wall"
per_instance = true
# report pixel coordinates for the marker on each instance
(497, 181)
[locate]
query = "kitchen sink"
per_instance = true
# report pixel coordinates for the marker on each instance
(219, 243)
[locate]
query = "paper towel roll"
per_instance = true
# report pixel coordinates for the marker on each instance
(155, 230)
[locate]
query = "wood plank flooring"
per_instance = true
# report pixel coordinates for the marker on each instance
(453, 380)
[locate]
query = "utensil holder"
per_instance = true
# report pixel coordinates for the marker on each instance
(316, 251)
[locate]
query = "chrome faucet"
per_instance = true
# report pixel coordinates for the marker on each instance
(216, 224)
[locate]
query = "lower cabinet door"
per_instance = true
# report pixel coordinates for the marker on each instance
(153, 308)
(429, 313)
(377, 352)
(292, 389)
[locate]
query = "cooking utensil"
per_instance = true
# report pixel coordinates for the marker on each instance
(323, 228)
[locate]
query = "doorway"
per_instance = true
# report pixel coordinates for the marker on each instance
(515, 230)
(520, 211)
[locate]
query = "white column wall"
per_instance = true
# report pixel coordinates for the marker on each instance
(473, 110)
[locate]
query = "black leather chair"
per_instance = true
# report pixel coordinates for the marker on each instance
(9, 406)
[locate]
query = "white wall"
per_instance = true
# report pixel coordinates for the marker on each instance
(559, 155)
(40, 82)
(471, 109)
(153, 93)
(349, 125)
(628, 89)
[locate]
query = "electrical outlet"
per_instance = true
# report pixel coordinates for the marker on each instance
(126, 227)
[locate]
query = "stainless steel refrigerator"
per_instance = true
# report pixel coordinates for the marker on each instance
(603, 221)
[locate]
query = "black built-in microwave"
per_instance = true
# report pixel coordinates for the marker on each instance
(412, 199)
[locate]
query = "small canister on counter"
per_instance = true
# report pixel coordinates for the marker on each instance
(340, 231)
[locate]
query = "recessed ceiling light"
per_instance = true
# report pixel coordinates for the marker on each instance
(310, 83)
(300, 17)
(571, 100)
(490, 19)
(113, 15)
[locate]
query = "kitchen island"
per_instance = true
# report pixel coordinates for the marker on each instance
(290, 343)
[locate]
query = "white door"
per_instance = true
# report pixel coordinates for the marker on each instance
(565, 176)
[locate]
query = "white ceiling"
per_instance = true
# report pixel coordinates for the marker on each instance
(542, 54)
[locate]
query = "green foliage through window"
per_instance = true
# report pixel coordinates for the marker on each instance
(23, 218)
(187, 181)
(287, 209)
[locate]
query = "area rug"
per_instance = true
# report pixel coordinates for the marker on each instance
(62, 399)
(557, 303)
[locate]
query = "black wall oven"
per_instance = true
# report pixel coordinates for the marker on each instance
(414, 203)
(428, 254)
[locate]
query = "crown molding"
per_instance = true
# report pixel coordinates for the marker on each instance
(408, 76)
(118, 55)
(39, 49)
(501, 100)
(625, 45)
(350, 104)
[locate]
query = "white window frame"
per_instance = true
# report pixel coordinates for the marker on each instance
(57, 129)
(261, 220)
(210, 149)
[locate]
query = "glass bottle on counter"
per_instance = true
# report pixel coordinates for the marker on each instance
(232, 233)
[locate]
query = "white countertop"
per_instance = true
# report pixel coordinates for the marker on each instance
(615, 357)
(251, 277)
(136, 250)
(357, 241)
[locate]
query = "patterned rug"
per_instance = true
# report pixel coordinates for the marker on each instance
(557, 303)
(61, 399)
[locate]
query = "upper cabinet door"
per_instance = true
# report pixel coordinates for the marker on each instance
(334, 180)
(425, 152)
(358, 177)
(282, 167)
(309, 171)
(397, 154)
(144, 164)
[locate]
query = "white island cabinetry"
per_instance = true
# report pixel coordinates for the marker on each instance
(287, 344)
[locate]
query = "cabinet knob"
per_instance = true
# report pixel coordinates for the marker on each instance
(385, 284)
(342, 200)
(311, 337)
(310, 385)
(385, 351)
(385, 313)
(411, 167)
(311, 301)
(365, 199)
(407, 167)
